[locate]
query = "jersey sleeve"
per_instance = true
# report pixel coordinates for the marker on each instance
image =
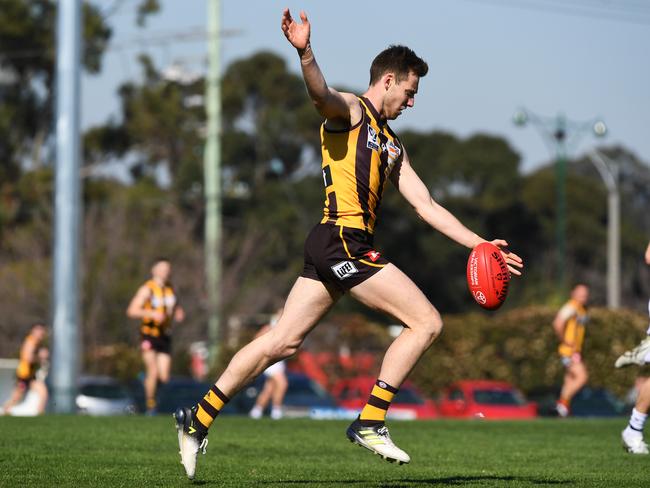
(566, 312)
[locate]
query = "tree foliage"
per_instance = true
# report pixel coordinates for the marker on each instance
(272, 196)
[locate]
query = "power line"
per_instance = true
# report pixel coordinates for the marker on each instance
(192, 34)
(636, 13)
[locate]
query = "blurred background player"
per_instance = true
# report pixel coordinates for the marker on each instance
(569, 325)
(632, 436)
(275, 385)
(156, 304)
(640, 355)
(26, 380)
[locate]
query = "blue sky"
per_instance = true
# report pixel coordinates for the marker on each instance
(581, 58)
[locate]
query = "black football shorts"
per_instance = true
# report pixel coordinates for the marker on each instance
(341, 256)
(161, 344)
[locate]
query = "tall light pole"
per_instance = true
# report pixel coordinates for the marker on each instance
(212, 179)
(67, 209)
(609, 171)
(560, 135)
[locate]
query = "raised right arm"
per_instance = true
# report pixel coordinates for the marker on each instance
(330, 103)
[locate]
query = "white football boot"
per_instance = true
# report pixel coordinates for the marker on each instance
(377, 439)
(190, 440)
(637, 356)
(634, 444)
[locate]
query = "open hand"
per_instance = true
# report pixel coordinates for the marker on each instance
(297, 34)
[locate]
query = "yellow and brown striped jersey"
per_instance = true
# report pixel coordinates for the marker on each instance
(356, 164)
(575, 316)
(162, 299)
(26, 367)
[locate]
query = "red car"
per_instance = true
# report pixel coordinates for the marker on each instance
(353, 393)
(485, 399)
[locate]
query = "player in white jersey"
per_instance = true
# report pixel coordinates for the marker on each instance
(632, 436)
(276, 384)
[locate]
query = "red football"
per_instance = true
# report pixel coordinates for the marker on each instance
(488, 276)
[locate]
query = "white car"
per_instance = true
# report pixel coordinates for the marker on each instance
(103, 395)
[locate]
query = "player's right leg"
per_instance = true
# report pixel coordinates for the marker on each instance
(308, 301)
(150, 379)
(393, 293)
(632, 436)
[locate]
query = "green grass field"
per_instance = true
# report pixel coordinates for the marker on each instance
(54, 451)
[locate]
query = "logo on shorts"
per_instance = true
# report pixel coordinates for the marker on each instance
(373, 140)
(373, 255)
(344, 269)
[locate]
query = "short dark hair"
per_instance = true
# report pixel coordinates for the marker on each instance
(160, 259)
(400, 60)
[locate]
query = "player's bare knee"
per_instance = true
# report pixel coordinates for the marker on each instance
(433, 327)
(283, 349)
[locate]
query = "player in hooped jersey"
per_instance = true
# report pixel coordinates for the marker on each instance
(360, 154)
(156, 305)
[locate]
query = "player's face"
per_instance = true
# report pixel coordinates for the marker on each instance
(39, 332)
(400, 95)
(162, 270)
(581, 294)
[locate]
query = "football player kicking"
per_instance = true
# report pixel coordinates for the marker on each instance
(633, 434)
(360, 153)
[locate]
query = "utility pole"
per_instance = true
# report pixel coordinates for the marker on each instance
(609, 171)
(559, 134)
(212, 179)
(67, 208)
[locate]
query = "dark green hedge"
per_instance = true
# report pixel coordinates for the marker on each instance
(520, 346)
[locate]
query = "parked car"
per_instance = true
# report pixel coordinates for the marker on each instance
(103, 395)
(485, 399)
(303, 395)
(178, 391)
(588, 402)
(352, 393)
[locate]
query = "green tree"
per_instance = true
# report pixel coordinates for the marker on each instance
(27, 64)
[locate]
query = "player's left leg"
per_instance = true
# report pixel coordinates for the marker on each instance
(632, 436)
(16, 396)
(308, 301)
(262, 399)
(163, 366)
(40, 389)
(575, 378)
(280, 385)
(393, 293)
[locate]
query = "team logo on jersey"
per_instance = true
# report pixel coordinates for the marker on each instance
(393, 152)
(373, 139)
(344, 269)
(373, 255)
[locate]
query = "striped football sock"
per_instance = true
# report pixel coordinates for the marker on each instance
(375, 410)
(208, 408)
